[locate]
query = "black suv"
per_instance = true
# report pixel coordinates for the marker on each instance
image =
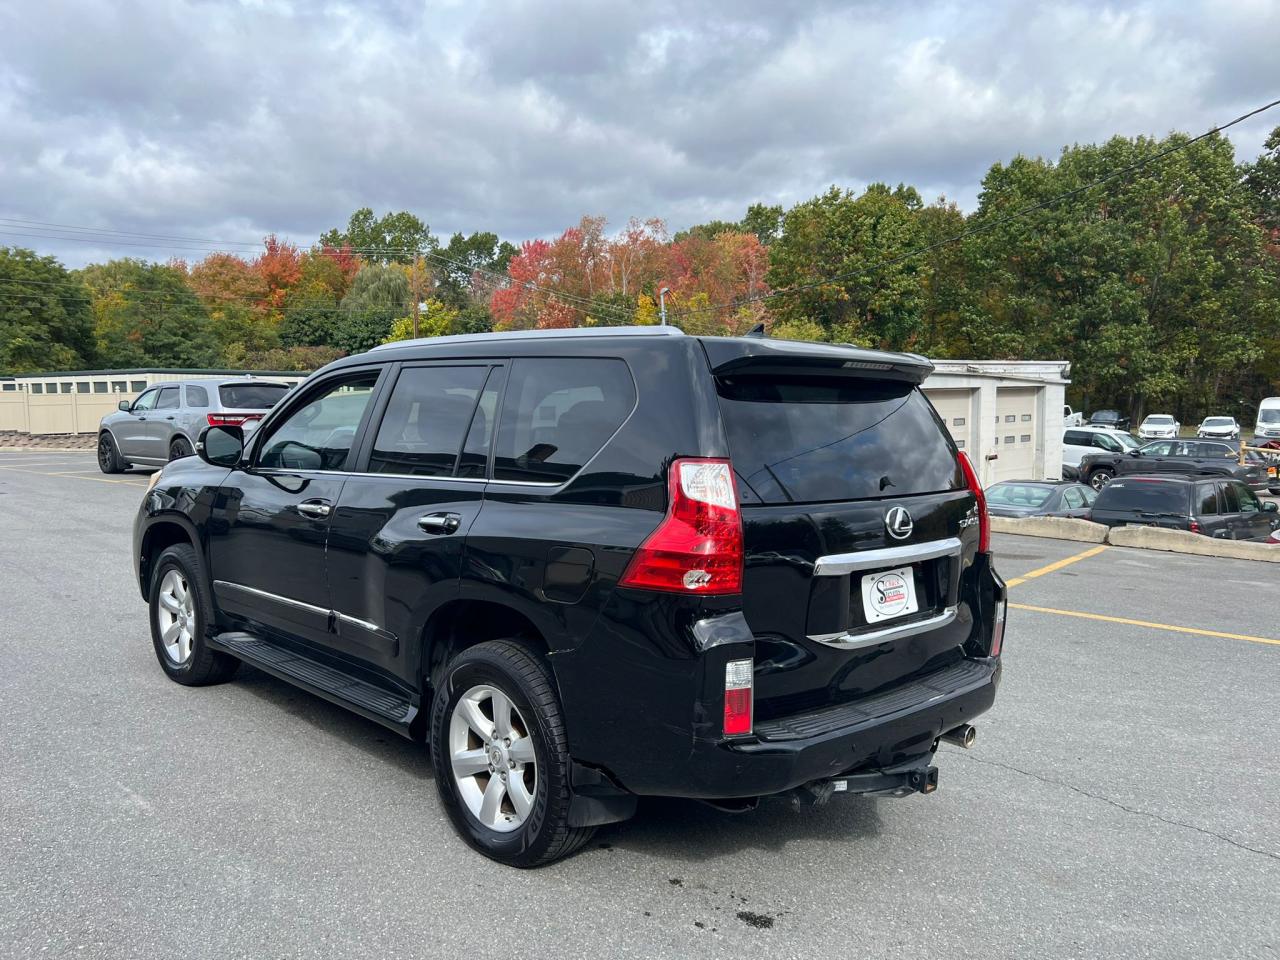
(590, 565)
(1109, 418)
(1175, 456)
(1222, 508)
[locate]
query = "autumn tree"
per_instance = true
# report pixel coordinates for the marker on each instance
(45, 320)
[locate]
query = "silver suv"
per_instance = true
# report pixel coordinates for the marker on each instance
(162, 424)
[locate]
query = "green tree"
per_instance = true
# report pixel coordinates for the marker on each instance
(391, 238)
(146, 315)
(378, 295)
(459, 261)
(45, 320)
(439, 319)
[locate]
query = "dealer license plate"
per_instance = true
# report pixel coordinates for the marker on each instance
(888, 595)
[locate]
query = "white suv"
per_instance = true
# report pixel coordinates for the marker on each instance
(1159, 426)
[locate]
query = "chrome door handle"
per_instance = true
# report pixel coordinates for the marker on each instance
(317, 509)
(439, 523)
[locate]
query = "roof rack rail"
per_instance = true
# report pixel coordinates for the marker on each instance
(556, 333)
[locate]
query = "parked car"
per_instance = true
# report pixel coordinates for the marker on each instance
(583, 565)
(1219, 428)
(166, 419)
(1039, 498)
(1109, 418)
(1071, 418)
(1174, 456)
(1158, 426)
(1079, 442)
(1266, 426)
(1217, 507)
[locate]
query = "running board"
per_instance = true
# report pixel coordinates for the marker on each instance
(376, 703)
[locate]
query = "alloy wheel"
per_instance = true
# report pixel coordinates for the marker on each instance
(175, 616)
(104, 453)
(491, 754)
(1099, 479)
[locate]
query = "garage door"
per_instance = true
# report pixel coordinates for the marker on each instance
(954, 407)
(1015, 433)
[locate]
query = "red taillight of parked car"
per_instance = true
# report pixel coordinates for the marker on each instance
(231, 419)
(1194, 527)
(738, 697)
(697, 547)
(975, 487)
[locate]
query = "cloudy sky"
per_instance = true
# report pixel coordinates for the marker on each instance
(225, 121)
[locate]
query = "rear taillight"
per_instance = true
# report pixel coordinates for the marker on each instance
(975, 487)
(1195, 527)
(997, 632)
(698, 546)
(737, 697)
(231, 419)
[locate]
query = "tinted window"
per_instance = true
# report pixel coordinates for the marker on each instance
(558, 414)
(1213, 450)
(1249, 502)
(1018, 494)
(1206, 500)
(428, 413)
(825, 438)
(318, 435)
(146, 401)
(1077, 438)
(169, 399)
(251, 396)
(1143, 496)
(1072, 498)
(1230, 498)
(197, 397)
(475, 453)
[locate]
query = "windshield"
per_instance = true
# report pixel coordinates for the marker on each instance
(807, 439)
(1127, 440)
(1143, 496)
(1217, 421)
(1160, 421)
(251, 396)
(1018, 494)
(1269, 415)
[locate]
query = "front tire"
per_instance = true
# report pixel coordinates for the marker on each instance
(1100, 478)
(109, 459)
(181, 609)
(501, 758)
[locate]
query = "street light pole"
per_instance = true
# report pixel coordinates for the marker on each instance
(662, 304)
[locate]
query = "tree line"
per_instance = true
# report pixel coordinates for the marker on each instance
(1161, 286)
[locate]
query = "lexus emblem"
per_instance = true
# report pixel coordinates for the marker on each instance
(899, 523)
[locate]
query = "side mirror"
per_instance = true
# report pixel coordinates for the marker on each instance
(124, 405)
(1135, 453)
(1270, 506)
(221, 446)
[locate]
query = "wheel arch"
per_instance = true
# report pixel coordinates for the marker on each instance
(160, 534)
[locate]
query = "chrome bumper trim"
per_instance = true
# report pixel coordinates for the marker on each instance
(854, 641)
(838, 564)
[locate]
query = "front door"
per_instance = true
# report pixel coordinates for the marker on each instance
(271, 521)
(162, 422)
(397, 537)
(131, 433)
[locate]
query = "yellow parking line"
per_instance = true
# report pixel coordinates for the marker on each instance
(1145, 623)
(73, 476)
(1056, 565)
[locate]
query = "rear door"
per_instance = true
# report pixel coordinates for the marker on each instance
(857, 525)
(1206, 508)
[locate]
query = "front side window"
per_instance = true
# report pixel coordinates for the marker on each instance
(426, 418)
(557, 414)
(1249, 502)
(146, 401)
(1162, 449)
(318, 434)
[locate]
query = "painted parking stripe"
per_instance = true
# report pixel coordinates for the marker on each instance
(1056, 565)
(1195, 631)
(72, 476)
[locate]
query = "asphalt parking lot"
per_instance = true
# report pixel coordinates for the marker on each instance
(1121, 799)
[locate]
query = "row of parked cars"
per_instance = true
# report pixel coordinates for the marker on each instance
(1159, 426)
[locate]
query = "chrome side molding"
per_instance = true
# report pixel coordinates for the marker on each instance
(838, 564)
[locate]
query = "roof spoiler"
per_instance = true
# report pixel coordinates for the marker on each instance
(737, 355)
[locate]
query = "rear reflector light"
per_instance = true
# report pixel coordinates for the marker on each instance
(737, 697)
(975, 487)
(231, 419)
(997, 633)
(698, 546)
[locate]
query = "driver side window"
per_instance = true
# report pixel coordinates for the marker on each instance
(145, 402)
(318, 435)
(1109, 444)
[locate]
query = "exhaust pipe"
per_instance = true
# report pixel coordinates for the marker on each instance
(962, 736)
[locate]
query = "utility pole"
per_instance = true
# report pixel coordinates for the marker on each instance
(413, 292)
(662, 304)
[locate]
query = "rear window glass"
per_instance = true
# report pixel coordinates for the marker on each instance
(1143, 496)
(251, 396)
(1018, 494)
(809, 439)
(557, 414)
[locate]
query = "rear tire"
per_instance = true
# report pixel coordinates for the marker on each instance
(1100, 478)
(180, 447)
(508, 796)
(181, 608)
(109, 459)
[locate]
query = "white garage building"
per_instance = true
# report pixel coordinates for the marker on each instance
(1007, 415)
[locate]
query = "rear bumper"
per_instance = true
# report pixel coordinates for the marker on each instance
(877, 732)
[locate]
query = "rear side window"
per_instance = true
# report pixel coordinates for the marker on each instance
(168, 399)
(1143, 496)
(251, 396)
(1077, 438)
(557, 414)
(197, 397)
(427, 416)
(808, 439)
